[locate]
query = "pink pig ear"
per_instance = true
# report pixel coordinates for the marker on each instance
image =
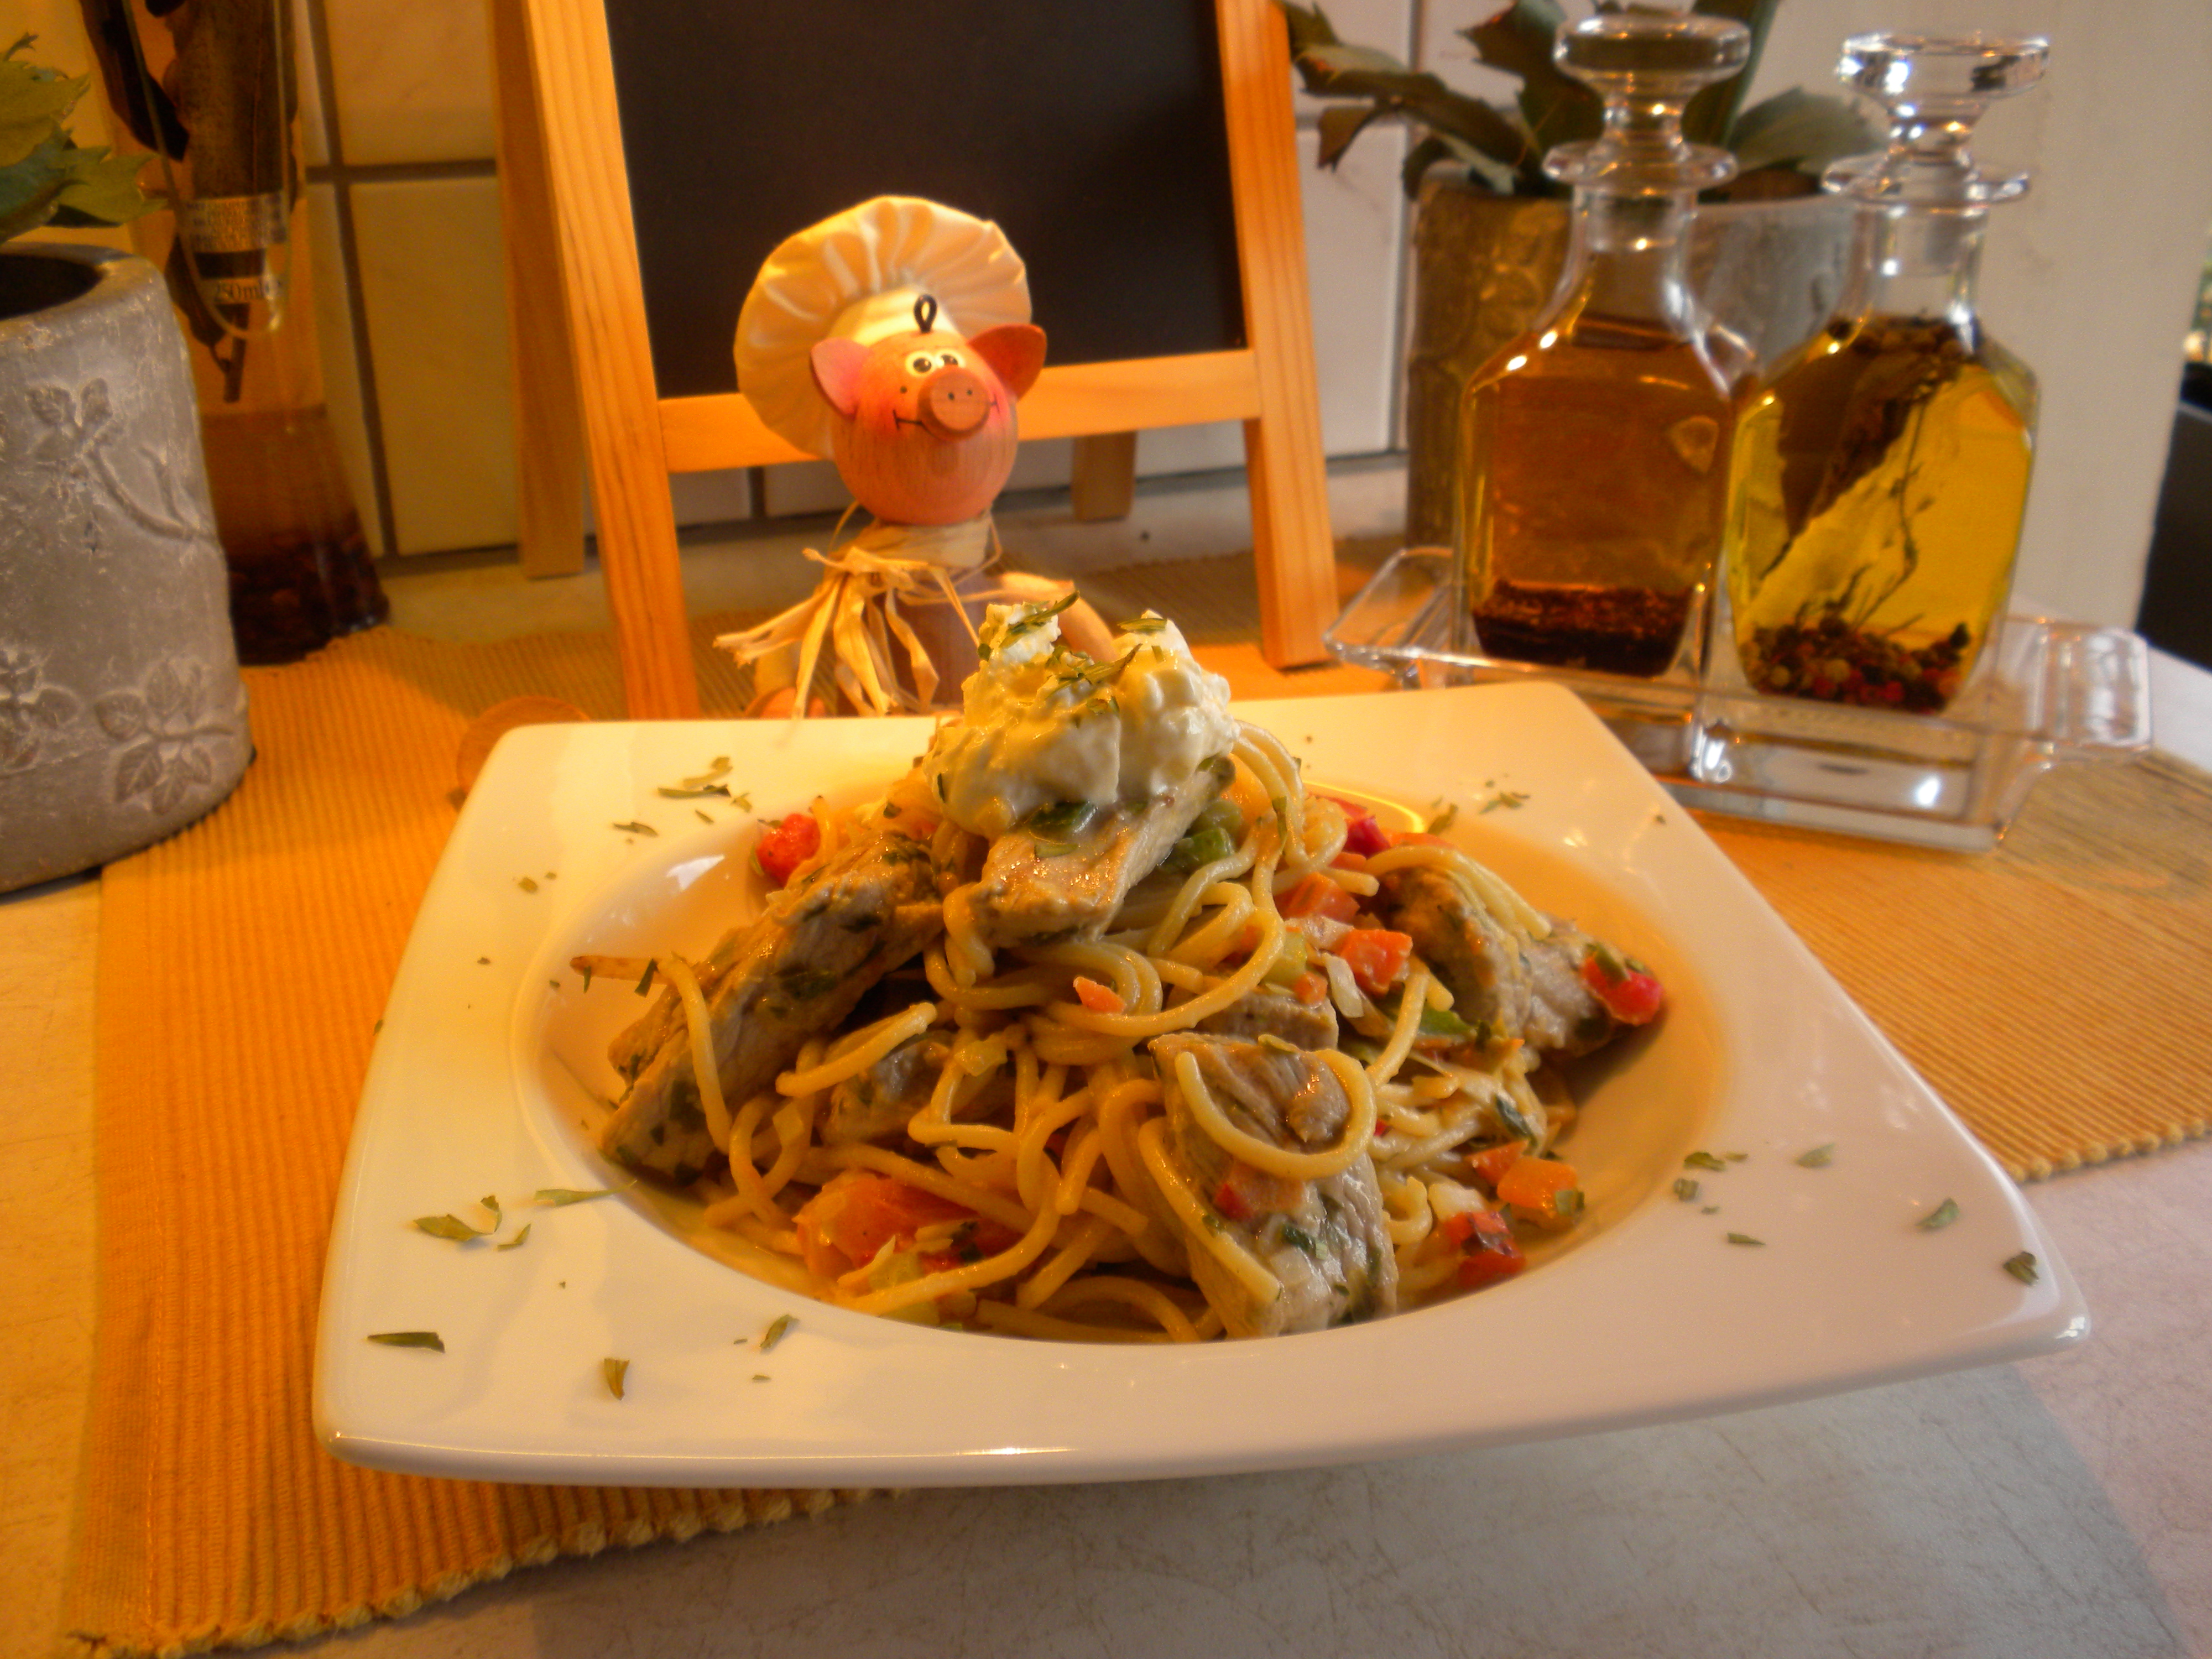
(837, 363)
(1016, 350)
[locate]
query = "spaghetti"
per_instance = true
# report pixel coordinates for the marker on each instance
(1133, 1133)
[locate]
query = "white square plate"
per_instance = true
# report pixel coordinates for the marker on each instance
(479, 1085)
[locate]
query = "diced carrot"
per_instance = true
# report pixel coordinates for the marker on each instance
(845, 1223)
(1531, 1187)
(1098, 999)
(1310, 987)
(1317, 895)
(788, 845)
(1377, 957)
(1491, 1164)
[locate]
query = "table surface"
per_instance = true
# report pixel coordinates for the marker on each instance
(2062, 1507)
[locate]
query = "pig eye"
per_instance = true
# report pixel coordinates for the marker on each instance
(920, 364)
(951, 359)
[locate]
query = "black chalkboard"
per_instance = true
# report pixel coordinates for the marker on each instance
(1092, 130)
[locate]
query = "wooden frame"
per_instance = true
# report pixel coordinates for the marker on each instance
(566, 194)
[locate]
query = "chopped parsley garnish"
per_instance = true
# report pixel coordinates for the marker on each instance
(554, 1197)
(515, 1244)
(1703, 1161)
(1745, 1238)
(1819, 1159)
(1939, 1217)
(450, 1227)
(1686, 1189)
(636, 828)
(2021, 1266)
(1269, 1040)
(1509, 1115)
(778, 1329)
(1146, 624)
(644, 979)
(1507, 799)
(1060, 820)
(615, 1371)
(525, 884)
(694, 794)
(426, 1339)
(1443, 817)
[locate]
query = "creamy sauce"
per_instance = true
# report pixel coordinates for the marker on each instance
(1040, 725)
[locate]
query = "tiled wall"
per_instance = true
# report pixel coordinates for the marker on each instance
(399, 140)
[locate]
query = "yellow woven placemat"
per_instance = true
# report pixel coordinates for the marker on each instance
(2047, 990)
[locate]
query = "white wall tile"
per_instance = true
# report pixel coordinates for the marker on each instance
(331, 299)
(431, 289)
(1355, 234)
(412, 79)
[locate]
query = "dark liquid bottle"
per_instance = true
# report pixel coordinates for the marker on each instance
(1594, 447)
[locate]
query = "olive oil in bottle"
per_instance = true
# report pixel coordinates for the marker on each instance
(1881, 475)
(1595, 447)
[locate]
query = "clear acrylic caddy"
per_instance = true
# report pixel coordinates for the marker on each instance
(2056, 692)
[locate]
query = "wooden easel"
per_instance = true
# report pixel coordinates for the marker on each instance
(584, 379)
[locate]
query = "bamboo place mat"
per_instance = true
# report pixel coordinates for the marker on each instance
(2049, 991)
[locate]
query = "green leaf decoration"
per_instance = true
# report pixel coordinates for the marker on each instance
(1939, 1217)
(450, 1227)
(516, 1242)
(553, 1197)
(409, 1340)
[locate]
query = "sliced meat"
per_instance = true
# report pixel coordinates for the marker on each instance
(1565, 1017)
(1038, 885)
(876, 1104)
(797, 970)
(1477, 956)
(1324, 1241)
(1270, 1012)
(1534, 991)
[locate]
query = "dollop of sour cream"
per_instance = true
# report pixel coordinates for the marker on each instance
(1040, 725)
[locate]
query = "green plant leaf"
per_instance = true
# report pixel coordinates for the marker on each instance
(1339, 125)
(1710, 118)
(1555, 108)
(103, 190)
(33, 103)
(1801, 129)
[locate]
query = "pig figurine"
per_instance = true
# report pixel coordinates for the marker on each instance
(924, 431)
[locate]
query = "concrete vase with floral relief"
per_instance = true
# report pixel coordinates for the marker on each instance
(122, 716)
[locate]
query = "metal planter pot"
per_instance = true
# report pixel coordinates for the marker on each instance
(1484, 264)
(122, 716)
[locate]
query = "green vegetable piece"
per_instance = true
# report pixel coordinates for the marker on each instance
(1939, 1217)
(427, 1338)
(1444, 1023)
(515, 1244)
(2021, 1266)
(1442, 820)
(449, 1226)
(636, 828)
(1745, 1238)
(1703, 1161)
(1567, 1202)
(616, 1371)
(554, 1197)
(1509, 1115)
(1819, 1159)
(526, 884)
(1686, 1189)
(778, 1329)
(1269, 1040)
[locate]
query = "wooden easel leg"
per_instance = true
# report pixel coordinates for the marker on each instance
(548, 422)
(1103, 485)
(1293, 549)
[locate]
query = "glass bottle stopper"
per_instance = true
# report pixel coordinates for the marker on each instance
(1646, 66)
(1935, 89)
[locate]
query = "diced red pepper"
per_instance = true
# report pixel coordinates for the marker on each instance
(1491, 1251)
(1364, 836)
(1315, 895)
(1098, 999)
(1244, 1191)
(783, 848)
(1377, 957)
(1630, 994)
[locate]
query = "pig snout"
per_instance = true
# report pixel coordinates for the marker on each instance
(955, 403)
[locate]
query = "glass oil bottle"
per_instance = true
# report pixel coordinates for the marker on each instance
(1595, 447)
(1882, 473)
